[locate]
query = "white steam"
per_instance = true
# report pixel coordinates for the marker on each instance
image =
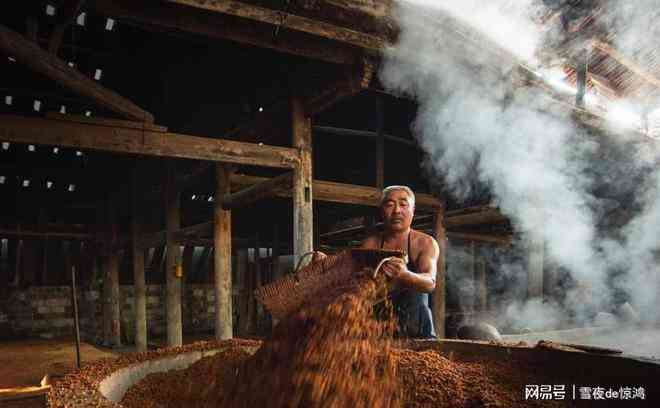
(479, 125)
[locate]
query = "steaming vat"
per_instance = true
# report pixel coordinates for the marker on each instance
(573, 368)
(642, 342)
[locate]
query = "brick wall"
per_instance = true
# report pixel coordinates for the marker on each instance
(46, 311)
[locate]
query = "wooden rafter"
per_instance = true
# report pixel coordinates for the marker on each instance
(127, 140)
(39, 60)
(287, 20)
(179, 19)
(627, 62)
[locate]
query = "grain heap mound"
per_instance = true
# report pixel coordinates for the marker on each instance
(330, 353)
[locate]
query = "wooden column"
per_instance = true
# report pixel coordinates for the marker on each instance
(472, 275)
(303, 237)
(242, 274)
(173, 284)
(380, 143)
(581, 69)
(439, 294)
(535, 264)
(481, 284)
(112, 280)
(4, 262)
(139, 280)
(222, 255)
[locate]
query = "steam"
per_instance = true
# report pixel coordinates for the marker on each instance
(480, 126)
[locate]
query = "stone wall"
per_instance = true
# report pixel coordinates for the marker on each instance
(47, 311)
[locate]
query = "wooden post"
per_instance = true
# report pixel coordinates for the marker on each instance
(303, 237)
(481, 284)
(472, 275)
(173, 284)
(76, 325)
(258, 280)
(535, 265)
(582, 68)
(380, 143)
(113, 278)
(242, 275)
(439, 294)
(222, 255)
(139, 281)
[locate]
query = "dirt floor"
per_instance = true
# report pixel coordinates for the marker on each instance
(24, 363)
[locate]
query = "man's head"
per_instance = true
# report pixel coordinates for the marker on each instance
(397, 205)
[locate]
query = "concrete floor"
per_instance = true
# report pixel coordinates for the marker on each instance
(24, 363)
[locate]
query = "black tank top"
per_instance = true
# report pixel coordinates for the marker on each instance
(410, 265)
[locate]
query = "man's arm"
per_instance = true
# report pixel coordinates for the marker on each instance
(427, 266)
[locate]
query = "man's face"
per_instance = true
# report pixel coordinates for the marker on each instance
(397, 211)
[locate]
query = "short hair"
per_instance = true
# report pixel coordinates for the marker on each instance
(388, 190)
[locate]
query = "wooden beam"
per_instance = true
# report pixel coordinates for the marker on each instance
(29, 53)
(134, 141)
(627, 62)
(179, 19)
(173, 283)
(340, 192)
(287, 20)
(266, 188)
(492, 216)
(362, 133)
(20, 233)
(106, 122)
(471, 236)
(303, 213)
(222, 257)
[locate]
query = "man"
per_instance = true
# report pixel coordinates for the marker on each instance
(415, 279)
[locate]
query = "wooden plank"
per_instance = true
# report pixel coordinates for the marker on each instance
(341, 192)
(37, 59)
(106, 122)
(222, 256)
(178, 19)
(256, 192)
(290, 21)
(139, 280)
(172, 282)
(133, 141)
(303, 235)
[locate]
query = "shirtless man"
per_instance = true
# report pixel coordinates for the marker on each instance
(416, 278)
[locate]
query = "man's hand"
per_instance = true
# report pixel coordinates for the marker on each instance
(396, 269)
(318, 256)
